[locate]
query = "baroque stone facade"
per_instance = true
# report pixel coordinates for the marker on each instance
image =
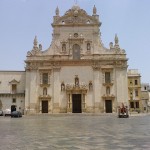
(76, 74)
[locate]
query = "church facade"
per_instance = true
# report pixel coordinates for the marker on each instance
(76, 74)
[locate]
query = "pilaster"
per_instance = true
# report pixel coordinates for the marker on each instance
(56, 89)
(96, 88)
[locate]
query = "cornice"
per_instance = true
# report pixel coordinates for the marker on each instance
(96, 64)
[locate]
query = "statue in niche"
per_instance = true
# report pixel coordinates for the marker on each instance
(107, 90)
(64, 48)
(88, 46)
(45, 91)
(62, 86)
(90, 85)
(76, 81)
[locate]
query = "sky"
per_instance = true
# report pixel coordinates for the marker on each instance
(21, 20)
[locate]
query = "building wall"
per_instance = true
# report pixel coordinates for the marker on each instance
(145, 96)
(134, 90)
(7, 78)
(121, 86)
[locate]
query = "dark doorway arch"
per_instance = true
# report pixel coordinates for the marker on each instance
(108, 106)
(45, 106)
(76, 103)
(13, 108)
(76, 52)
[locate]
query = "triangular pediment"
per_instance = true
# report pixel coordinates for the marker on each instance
(14, 81)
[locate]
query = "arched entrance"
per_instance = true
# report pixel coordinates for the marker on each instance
(76, 52)
(13, 108)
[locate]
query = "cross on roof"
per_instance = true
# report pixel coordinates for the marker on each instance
(76, 1)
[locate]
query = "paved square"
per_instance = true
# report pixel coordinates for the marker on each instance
(75, 132)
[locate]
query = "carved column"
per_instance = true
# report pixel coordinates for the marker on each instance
(83, 102)
(69, 102)
(49, 106)
(40, 106)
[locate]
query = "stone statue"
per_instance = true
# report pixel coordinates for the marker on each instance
(76, 81)
(64, 48)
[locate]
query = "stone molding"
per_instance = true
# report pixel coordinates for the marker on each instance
(110, 96)
(45, 97)
(14, 81)
(57, 64)
(12, 95)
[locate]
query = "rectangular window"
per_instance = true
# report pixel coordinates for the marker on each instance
(136, 82)
(131, 104)
(107, 77)
(136, 93)
(45, 78)
(137, 104)
(14, 88)
(13, 100)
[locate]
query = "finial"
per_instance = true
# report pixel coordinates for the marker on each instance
(57, 11)
(116, 39)
(35, 42)
(94, 10)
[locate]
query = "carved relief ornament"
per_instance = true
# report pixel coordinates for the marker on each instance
(75, 16)
(32, 66)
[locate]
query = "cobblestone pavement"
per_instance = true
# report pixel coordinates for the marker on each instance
(75, 132)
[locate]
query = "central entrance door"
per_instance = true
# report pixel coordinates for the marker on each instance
(76, 52)
(108, 106)
(76, 103)
(44, 106)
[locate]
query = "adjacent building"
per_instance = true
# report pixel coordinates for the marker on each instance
(145, 89)
(76, 74)
(12, 90)
(134, 90)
